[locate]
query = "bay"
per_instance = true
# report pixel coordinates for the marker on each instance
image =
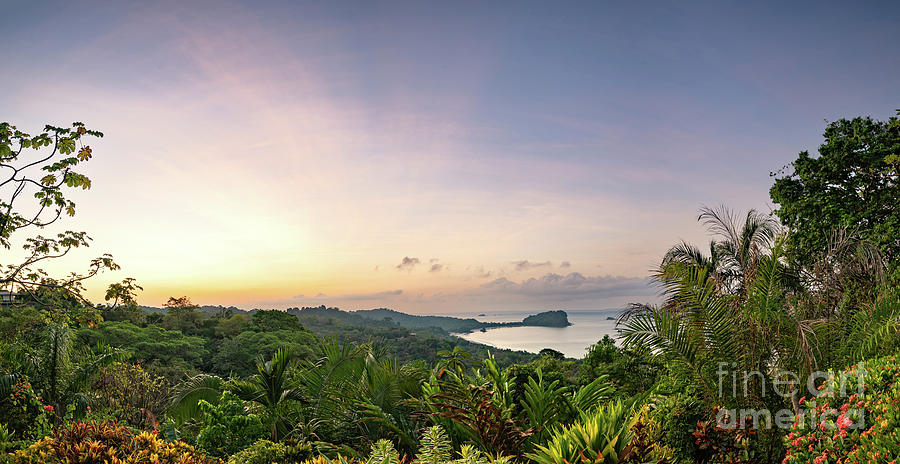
(588, 327)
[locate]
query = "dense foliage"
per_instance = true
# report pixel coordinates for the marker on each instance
(766, 307)
(854, 183)
(98, 442)
(857, 428)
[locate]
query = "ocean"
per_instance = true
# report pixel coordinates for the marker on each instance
(588, 327)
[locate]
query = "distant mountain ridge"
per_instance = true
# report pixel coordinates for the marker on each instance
(450, 324)
(391, 318)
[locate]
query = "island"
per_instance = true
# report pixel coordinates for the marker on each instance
(556, 318)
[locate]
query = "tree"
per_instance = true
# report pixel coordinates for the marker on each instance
(853, 184)
(630, 372)
(271, 389)
(169, 353)
(182, 315)
(551, 353)
(231, 326)
(735, 312)
(124, 306)
(237, 355)
(43, 177)
(274, 320)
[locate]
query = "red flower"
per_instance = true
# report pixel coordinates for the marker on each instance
(843, 422)
(48, 408)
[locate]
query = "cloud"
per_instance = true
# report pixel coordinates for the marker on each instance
(480, 271)
(572, 291)
(436, 267)
(371, 296)
(554, 287)
(565, 265)
(525, 265)
(304, 297)
(407, 264)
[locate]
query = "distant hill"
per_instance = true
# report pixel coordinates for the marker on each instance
(383, 317)
(448, 324)
(411, 321)
(409, 337)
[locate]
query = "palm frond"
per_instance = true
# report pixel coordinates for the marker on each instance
(185, 402)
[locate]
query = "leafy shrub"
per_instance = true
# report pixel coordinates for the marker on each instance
(472, 409)
(835, 427)
(19, 406)
(678, 415)
(383, 452)
(267, 452)
(646, 443)
(601, 436)
(630, 372)
(9, 443)
(260, 452)
(228, 427)
(435, 448)
(98, 442)
(715, 444)
(339, 459)
(129, 393)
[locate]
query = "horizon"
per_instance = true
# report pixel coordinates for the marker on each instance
(460, 315)
(429, 158)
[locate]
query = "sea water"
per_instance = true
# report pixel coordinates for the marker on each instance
(588, 327)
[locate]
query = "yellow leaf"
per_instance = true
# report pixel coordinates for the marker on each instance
(84, 154)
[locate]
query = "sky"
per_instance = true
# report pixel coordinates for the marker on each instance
(431, 157)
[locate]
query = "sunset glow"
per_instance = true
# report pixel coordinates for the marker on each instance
(372, 155)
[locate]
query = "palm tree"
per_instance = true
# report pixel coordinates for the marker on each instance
(873, 331)
(328, 379)
(384, 400)
(733, 254)
(847, 265)
(270, 389)
(696, 327)
(61, 372)
(729, 307)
